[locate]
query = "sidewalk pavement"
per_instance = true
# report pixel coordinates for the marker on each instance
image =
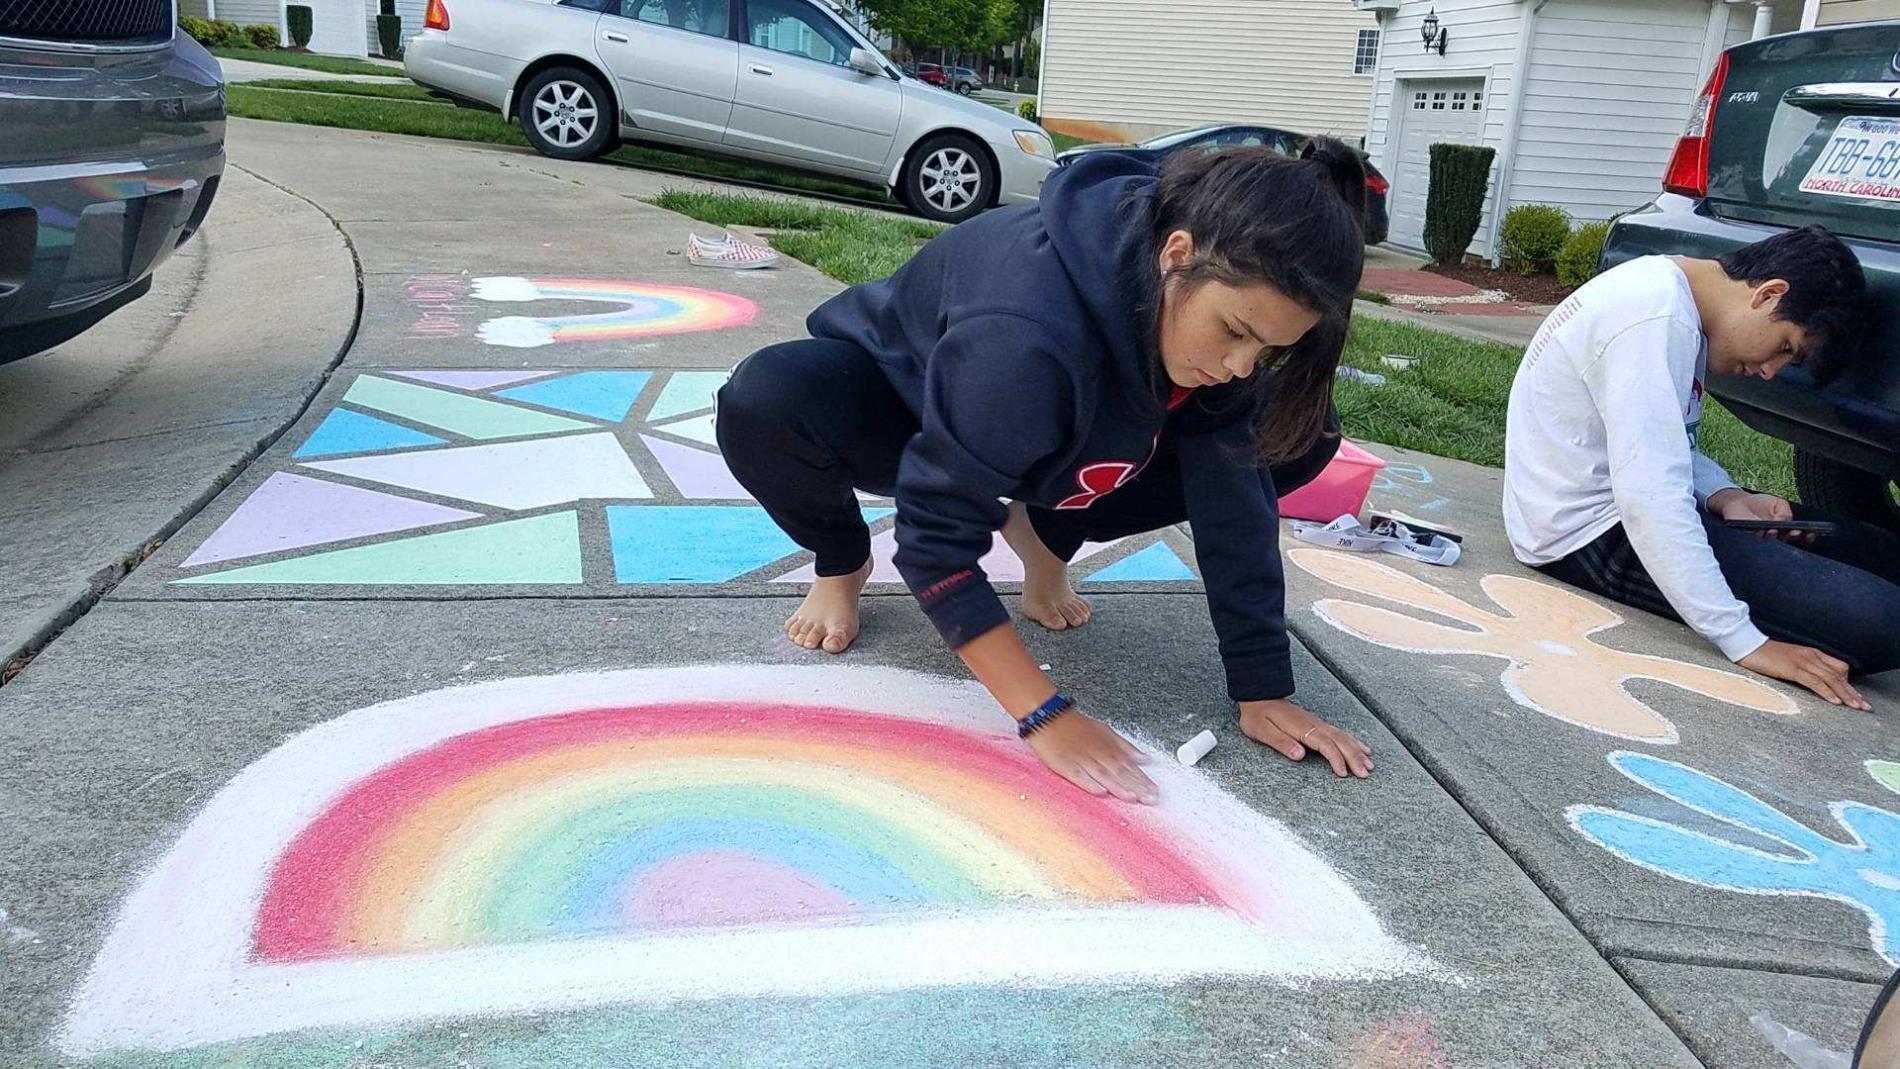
(1433, 300)
(1728, 842)
(459, 730)
(244, 70)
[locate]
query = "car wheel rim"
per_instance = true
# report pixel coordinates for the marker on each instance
(565, 113)
(951, 179)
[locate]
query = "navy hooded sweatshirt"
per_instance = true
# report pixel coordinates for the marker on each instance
(1024, 342)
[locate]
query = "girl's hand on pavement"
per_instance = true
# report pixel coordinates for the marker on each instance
(1089, 754)
(1820, 673)
(1292, 731)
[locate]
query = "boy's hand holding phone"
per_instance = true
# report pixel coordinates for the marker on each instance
(1743, 508)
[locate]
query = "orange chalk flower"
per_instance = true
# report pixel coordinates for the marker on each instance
(1555, 668)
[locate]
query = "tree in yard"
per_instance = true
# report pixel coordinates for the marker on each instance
(954, 24)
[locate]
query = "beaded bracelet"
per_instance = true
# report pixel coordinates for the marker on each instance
(1043, 713)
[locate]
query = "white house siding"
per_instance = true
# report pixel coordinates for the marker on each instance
(1483, 44)
(250, 12)
(1835, 12)
(1141, 67)
(1606, 95)
(412, 12)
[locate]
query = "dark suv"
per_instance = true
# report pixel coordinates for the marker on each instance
(1793, 130)
(111, 147)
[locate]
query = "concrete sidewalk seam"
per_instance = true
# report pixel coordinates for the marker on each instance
(1427, 761)
(1706, 961)
(101, 583)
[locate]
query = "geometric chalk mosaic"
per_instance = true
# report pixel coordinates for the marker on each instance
(452, 476)
(691, 834)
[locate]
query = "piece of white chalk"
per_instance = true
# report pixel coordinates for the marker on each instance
(1195, 748)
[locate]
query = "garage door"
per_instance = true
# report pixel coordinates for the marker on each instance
(1434, 112)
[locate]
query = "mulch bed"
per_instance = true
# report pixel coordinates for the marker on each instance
(1528, 289)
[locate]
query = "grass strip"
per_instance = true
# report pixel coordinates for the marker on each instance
(418, 118)
(309, 61)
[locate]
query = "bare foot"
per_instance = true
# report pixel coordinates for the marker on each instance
(828, 619)
(1048, 598)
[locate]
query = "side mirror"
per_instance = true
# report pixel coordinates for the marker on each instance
(865, 61)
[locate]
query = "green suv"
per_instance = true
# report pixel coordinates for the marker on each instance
(1799, 129)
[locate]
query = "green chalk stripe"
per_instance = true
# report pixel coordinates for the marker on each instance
(471, 417)
(539, 549)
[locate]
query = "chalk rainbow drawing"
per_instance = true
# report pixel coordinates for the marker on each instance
(709, 832)
(1554, 665)
(1863, 872)
(645, 309)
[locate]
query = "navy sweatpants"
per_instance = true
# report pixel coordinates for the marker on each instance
(1841, 595)
(804, 423)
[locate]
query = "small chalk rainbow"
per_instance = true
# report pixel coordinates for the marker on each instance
(645, 309)
(727, 831)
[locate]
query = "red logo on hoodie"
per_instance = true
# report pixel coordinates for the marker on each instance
(1096, 480)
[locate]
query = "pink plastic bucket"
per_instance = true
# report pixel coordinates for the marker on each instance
(1339, 490)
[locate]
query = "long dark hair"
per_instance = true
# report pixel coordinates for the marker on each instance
(1297, 225)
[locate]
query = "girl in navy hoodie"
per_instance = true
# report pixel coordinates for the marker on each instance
(1153, 342)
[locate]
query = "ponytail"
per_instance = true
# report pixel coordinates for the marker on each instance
(1297, 225)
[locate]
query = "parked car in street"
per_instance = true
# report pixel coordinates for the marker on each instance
(113, 148)
(786, 82)
(964, 80)
(931, 74)
(1794, 130)
(1288, 142)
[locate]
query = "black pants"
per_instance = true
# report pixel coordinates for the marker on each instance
(1839, 595)
(804, 423)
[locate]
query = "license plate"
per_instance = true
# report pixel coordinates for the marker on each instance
(1862, 160)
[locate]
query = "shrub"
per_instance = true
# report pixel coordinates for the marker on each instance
(1577, 261)
(1027, 109)
(212, 33)
(299, 18)
(261, 36)
(1532, 236)
(1454, 200)
(389, 32)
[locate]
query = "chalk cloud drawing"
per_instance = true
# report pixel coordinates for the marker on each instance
(700, 833)
(1544, 632)
(641, 310)
(1862, 872)
(509, 445)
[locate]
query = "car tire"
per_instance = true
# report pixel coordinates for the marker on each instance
(1843, 489)
(949, 178)
(567, 114)
(965, 88)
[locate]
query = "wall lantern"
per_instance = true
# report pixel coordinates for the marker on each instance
(1435, 36)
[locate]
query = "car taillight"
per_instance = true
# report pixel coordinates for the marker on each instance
(436, 17)
(1688, 172)
(1378, 184)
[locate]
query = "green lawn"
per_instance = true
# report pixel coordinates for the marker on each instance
(1451, 403)
(849, 245)
(328, 64)
(311, 103)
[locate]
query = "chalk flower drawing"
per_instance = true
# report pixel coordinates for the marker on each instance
(1555, 667)
(641, 309)
(1863, 872)
(713, 832)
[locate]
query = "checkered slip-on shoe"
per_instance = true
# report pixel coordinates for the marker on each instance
(725, 251)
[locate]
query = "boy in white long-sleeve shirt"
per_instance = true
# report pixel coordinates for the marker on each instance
(1604, 487)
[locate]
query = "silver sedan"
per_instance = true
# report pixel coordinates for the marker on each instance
(780, 81)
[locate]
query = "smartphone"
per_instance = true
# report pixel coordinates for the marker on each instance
(1819, 527)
